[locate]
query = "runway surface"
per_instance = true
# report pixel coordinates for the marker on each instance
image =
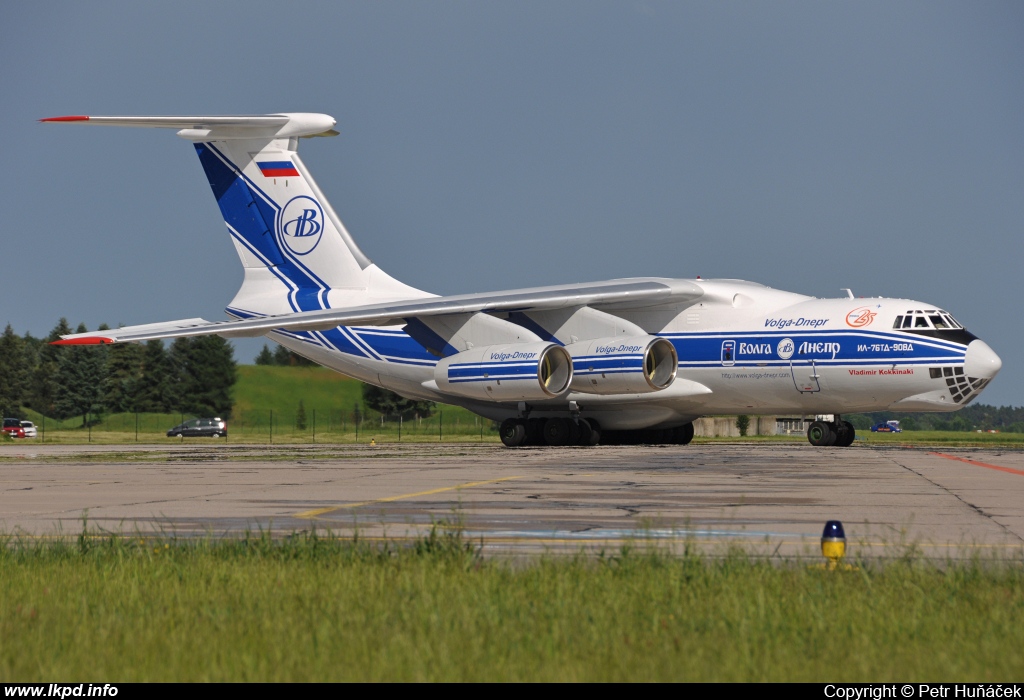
(771, 499)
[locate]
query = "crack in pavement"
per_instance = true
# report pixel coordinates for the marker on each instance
(970, 505)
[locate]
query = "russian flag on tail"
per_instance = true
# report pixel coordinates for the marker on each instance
(278, 168)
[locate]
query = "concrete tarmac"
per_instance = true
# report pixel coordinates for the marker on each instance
(771, 499)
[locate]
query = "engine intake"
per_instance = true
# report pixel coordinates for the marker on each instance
(633, 365)
(513, 372)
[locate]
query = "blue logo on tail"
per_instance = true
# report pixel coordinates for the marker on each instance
(301, 224)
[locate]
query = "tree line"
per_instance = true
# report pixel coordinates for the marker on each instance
(1007, 419)
(193, 375)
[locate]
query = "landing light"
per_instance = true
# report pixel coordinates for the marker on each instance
(833, 543)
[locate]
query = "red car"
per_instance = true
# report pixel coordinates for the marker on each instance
(12, 426)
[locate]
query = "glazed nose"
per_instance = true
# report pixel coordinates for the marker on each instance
(981, 361)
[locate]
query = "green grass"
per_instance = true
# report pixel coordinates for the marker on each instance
(310, 608)
(949, 438)
(262, 387)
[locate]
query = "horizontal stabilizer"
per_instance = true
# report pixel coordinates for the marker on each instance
(215, 128)
(615, 294)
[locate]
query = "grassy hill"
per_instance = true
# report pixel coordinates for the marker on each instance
(264, 387)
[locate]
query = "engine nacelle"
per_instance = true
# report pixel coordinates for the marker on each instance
(512, 372)
(634, 365)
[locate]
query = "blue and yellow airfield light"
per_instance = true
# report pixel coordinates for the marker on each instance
(833, 543)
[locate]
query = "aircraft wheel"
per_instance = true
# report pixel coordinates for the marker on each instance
(820, 434)
(846, 434)
(595, 432)
(574, 431)
(653, 436)
(557, 431)
(683, 434)
(582, 432)
(634, 437)
(585, 433)
(535, 431)
(513, 432)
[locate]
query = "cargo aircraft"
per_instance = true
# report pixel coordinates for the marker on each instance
(622, 361)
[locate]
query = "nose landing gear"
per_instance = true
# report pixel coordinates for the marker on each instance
(839, 433)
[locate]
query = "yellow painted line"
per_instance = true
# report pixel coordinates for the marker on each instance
(310, 514)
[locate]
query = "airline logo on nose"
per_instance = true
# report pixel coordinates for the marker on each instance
(858, 318)
(302, 225)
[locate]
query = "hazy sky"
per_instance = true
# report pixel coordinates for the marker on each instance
(489, 145)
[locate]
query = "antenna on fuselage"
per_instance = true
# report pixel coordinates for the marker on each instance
(849, 292)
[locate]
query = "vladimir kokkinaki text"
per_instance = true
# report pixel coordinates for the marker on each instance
(922, 690)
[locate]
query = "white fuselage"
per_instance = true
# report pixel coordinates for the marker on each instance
(742, 348)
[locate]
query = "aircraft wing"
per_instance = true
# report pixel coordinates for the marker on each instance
(610, 295)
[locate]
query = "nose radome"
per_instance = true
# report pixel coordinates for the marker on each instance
(981, 361)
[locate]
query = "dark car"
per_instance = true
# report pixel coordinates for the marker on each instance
(12, 426)
(200, 427)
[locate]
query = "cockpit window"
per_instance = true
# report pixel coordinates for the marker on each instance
(951, 321)
(929, 318)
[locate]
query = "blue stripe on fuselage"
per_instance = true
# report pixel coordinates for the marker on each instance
(824, 347)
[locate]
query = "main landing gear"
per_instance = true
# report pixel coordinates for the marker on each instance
(517, 432)
(558, 432)
(839, 433)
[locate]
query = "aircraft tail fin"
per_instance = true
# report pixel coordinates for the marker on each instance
(297, 254)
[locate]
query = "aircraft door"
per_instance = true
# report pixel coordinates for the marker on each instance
(803, 369)
(805, 376)
(728, 353)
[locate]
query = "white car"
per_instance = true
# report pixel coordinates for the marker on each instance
(29, 428)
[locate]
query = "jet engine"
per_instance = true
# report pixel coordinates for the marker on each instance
(633, 365)
(512, 372)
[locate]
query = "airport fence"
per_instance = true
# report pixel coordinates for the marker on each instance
(272, 425)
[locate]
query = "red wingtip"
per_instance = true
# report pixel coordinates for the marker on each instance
(94, 340)
(66, 119)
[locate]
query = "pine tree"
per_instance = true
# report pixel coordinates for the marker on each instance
(282, 356)
(179, 377)
(31, 347)
(393, 405)
(153, 393)
(217, 374)
(80, 373)
(43, 385)
(96, 360)
(286, 358)
(14, 373)
(124, 373)
(204, 372)
(300, 416)
(265, 357)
